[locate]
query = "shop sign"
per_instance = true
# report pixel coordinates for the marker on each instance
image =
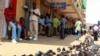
(58, 5)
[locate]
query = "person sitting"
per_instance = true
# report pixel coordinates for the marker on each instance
(48, 23)
(10, 20)
(41, 24)
(23, 31)
(19, 29)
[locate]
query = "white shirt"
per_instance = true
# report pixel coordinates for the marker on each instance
(34, 17)
(78, 25)
(95, 28)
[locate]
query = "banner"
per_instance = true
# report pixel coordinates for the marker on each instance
(84, 4)
(2, 6)
(58, 5)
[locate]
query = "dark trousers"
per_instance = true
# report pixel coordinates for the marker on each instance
(83, 32)
(62, 33)
(48, 31)
(54, 31)
(41, 29)
(95, 36)
(68, 31)
(9, 32)
(23, 34)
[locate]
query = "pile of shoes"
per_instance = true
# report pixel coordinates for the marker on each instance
(48, 53)
(62, 52)
(27, 55)
(87, 48)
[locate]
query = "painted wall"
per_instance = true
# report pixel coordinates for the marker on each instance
(44, 9)
(19, 9)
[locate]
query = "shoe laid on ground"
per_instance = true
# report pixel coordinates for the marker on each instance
(27, 38)
(20, 39)
(14, 41)
(35, 39)
(30, 38)
(58, 50)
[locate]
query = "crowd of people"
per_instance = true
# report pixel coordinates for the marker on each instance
(47, 25)
(50, 26)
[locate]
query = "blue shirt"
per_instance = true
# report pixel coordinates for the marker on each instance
(42, 21)
(63, 22)
(48, 22)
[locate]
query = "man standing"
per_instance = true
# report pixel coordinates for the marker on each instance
(62, 27)
(34, 16)
(10, 20)
(78, 26)
(55, 25)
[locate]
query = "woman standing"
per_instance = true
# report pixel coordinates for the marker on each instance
(95, 32)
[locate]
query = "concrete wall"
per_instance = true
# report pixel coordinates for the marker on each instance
(21, 13)
(44, 9)
(19, 10)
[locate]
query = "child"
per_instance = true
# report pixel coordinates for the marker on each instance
(23, 31)
(19, 29)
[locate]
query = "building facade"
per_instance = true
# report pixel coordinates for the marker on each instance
(74, 8)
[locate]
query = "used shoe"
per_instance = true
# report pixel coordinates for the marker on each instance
(20, 39)
(14, 41)
(35, 39)
(31, 38)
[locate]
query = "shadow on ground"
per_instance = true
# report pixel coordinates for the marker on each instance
(43, 40)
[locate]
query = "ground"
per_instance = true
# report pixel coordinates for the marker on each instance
(31, 47)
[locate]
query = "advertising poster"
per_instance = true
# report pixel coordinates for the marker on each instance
(58, 6)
